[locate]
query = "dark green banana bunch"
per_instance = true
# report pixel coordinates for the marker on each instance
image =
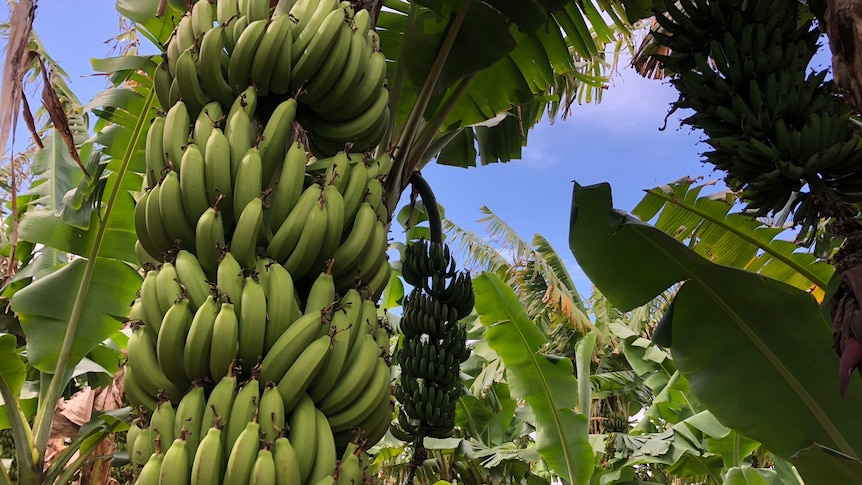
(434, 343)
(781, 133)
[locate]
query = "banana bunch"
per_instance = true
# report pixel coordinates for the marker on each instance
(434, 343)
(320, 51)
(776, 129)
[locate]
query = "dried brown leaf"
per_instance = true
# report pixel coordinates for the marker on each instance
(54, 107)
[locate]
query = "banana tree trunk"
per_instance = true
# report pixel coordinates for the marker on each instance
(843, 20)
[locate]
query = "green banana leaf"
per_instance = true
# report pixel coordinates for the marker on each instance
(818, 464)
(44, 308)
(562, 436)
(756, 352)
(730, 239)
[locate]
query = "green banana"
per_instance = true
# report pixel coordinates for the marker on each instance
(150, 301)
(154, 152)
(172, 52)
(365, 403)
(321, 295)
(322, 80)
(255, 9)
(202, 18)
(271, 413)
(219, 181)
(226, 10)
(361, 22)
(169, 289)
(171, 342)
(176, 465)
(310, 25)
(263, 471)
(193, 184)
(334, 203)
(279, 80)
(295, 382)
(155, 228)
(366, 93)
(265, 57)
(185, 33)
(162, 80)
(358, 127)
(141, 225)
(303, 429)
(242, 455)
(243, 411)
(238, 132)
(209, 240)
(190, 413)
(349, 253)
(142, 445)
(196, 358)
(310, 242)
(325, 457)
(136, 395)
(219, 403)
(276, 134)
(149, 474)
(191, 91)
(350, 75)
(162, 423)
(209, 118)
(355, 377)
(244, 241)
(252, 323)
(173, 216)
(242, 56)
(142, 359)
(286, 462)
(290, 344)
(248, 182)
(289, 187)
(327, 378)
(223, 350)
(192, 277)
(209, 460)
(353, 192)
(286, 238)
(177, 130)
(349, 471)
(281, 304)
(319, 49)
(209, 67)
(229, 280)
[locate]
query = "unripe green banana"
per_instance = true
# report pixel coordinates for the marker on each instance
(267, 52)
(162, 80)
(321, 295)
(248, 182)
(281, 304)
(276, 134)
(229, 280)
(325, 457)
(219, 403)
(155, 152)
(349, 471)
(143, 445)
(174, 93)
(190, 87)
(252, 323)
(254, 9)
(136, 395)
(290, 345)
(246, 101)
(359, 127)
(142, 359)
(354, 192)
(176, 466)
(263, 471)
(238, 131)
(355, 377)
(286, 238)
(355, 102)
(177, 129)
(289, 188)
(327, 378)
(209, 241)
(365, 403)
(322, 80)
(190, 413)
(243, 454)
(162, 423)
(303, 429)
(377, 283)
(169, 289)
(350, 76)
(334, 203)
(286, 462)
(297, 379)
(172, 52)
(185, 33)
(271, 413)
(218, 174)
(243, 411)
(149, 474)
(242, 56)
(232, 32)
(193, 184)
(196, 358)
(191, 276)
(141, 226)
(171, 342)
(224, 349)
(310, 241)
(209, 118)
(150, 301)
(209, 460)
(155, 228)
(244, 241)
(353, 305)
(131, 435)
(308, 30)
(226, 10)
(171, 209)
(338, 171)
(361, 21)
(202, 17)
(211, 75)
(348, 254)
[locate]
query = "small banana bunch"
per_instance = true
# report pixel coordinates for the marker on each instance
(240, 434)
(434, 344)
(773, 127)
(320, 50)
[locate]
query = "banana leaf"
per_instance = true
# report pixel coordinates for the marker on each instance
(756, 352)
(550, 389)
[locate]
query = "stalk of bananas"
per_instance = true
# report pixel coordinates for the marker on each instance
(434, 344)
(256, 353)
(783, 135)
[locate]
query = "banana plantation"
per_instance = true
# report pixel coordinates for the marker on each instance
(210, 276)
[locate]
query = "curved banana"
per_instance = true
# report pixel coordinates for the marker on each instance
(334, 203)
(252, 323)
(327, 378)
(162, 422)
(177, 130)
(263, 471)
(248, 182)
(310, 242)
(363, 362)
(321, 295)
(196, 358)
(209, 118)
(190, 413)
(287, 348)
(155, 228)
(154, 152)
(365, 403)
(219, 181)
(190, 87)
(276, 134)
(243, 411)
(209, 460)
(271, 413)
(325, 76)
(325, 457)
(238, 132)
(242, 56)
(297, 379)
(209, 66)
(310, 24)
(366, 93)
(312, 56)
(162, 80)
(303, 429)
(136, 395)
(202, 18)
(349, 77)
(223, 350)
(353, 248)
(244, 241)
(287, 236)
(142, 360)
(243, 453)
(281, 304)
(174, 218)
(141, 226)
(219, 403)
(150, 301)
(168, 289)
(229, 279)
(267, 52)
(290, 185)
(286, 461)
(192, 277)
(171, 342)
(209, 241)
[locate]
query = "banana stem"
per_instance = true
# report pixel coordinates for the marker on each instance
(24, 449)
(435, 222)
(426, 136)
(404, 164)
(58, 381)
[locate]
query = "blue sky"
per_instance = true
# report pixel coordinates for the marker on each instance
(616, 141)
